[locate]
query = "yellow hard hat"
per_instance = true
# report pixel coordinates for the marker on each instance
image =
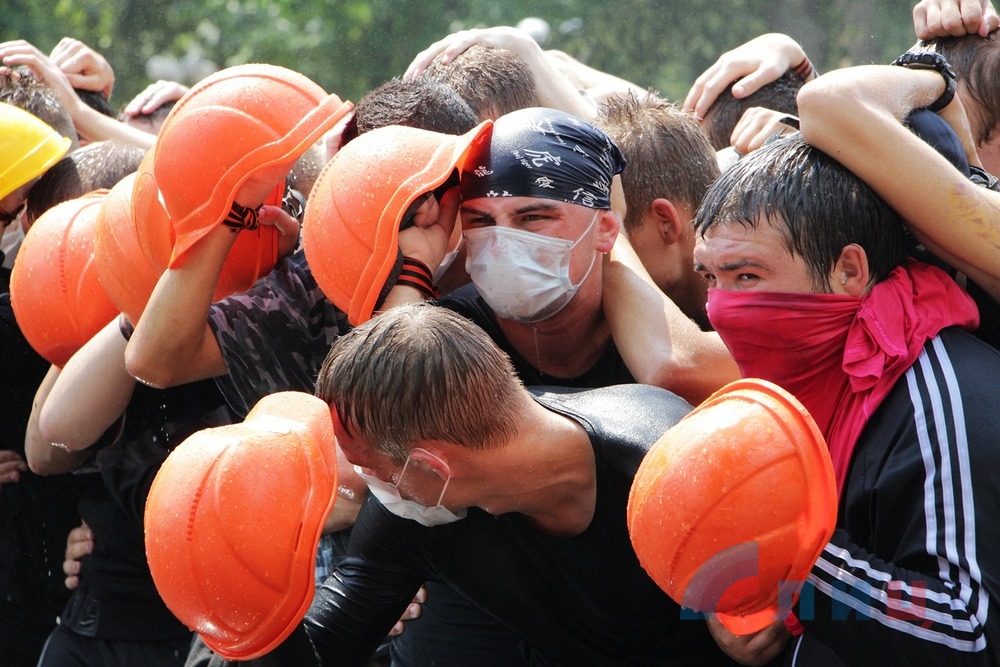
(28, 147)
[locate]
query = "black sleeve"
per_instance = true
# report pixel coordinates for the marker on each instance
(913, 575)
(359, 603)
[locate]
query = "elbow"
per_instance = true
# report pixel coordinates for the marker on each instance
(146, 368)
(824, 102)
(41, 460)
(693, 378)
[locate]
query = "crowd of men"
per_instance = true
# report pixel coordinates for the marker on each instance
(508, 275)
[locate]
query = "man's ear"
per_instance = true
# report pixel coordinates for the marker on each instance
(608, 227)
(435, 460)
(667, 220)
(850, 275)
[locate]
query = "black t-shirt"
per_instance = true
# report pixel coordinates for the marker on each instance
(36, 513)
(609, 369)
(583, 600)
(117, 599)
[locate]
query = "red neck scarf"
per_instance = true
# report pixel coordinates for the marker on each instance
(840, 355)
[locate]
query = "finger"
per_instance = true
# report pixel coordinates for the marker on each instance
(71, 568)
(713, 89)
(972, 16)
(710, 88)
(424, 59)
(9, 455)
(951, 20)
(72, 582)
(448, 212)
(80, 81)
(134, 107)
(421, 595)
(413, 610)
(397, 629)
(931, 23)
(64, 49)
(29, 61)
(8, 467)
(756, 80)
(920, 21)
(990, 20)
(279, 219)
(698, 89)
(78, 549)
(10, 477)
(163, 92)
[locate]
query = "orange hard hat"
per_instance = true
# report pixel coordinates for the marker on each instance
(57, 298)
(351, 228)
(732, 506)
(135, 238)
(233, 520)
(227, 127)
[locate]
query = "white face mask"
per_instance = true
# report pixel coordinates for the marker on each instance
(12, 237)
(448, 260)
(523, 276)
(388, 495)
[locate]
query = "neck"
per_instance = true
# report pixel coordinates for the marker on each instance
(569, 343)
(690, 295)
(549, 474)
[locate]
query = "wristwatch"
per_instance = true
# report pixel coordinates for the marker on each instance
(938, 63)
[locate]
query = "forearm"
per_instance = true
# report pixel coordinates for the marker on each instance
(173, 343)
(91, 393)
(876, 612)
(552, 87)
(853, 116)
(95, 126)
(660, 345)
(600, 85)
(45, 458)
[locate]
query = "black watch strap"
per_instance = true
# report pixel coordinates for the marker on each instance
(938, 63)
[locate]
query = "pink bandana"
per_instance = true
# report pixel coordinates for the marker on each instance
(840, 355)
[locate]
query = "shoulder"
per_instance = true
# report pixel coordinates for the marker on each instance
(634, 416)
(944, 405)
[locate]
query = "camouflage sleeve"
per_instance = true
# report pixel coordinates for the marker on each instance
(275, 336)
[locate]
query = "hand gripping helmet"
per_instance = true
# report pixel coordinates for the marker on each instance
(28, 147)
(732, 506)
(135, 238)
(351, 230)
(230, 125)
(56, 295)
(233, 520)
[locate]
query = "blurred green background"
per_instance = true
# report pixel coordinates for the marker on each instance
(350, 46)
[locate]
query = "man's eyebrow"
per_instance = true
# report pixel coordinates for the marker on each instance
(732, 266)
(741, 264)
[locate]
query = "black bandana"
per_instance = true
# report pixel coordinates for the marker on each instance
(541, 152)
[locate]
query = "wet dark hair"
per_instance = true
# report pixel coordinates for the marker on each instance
(420, 103)
(98, 165)
(726, 111)
(96, 101)
(20, 89)
(817, 204)
(976, 60)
